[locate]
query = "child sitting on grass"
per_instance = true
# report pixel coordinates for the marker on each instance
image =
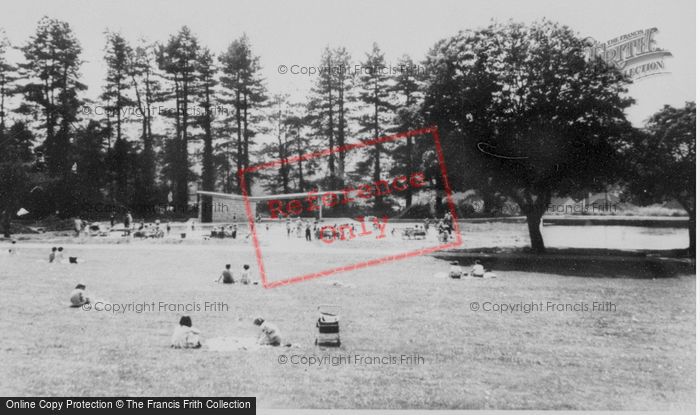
(477, 270)
(78, 297)
(226, 276)
(270, 335)
(245, 275)
(455, 270)
(185, 336)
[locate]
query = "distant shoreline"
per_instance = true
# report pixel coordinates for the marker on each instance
(582, 220)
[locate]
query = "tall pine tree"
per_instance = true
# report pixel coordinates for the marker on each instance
(375, 83)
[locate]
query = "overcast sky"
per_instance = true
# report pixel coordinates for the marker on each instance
(295, 32)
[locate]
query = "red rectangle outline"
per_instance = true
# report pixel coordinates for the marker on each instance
(386, 139)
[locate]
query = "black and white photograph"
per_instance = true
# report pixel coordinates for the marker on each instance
(321, 207)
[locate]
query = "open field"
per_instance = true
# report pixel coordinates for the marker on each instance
(639, 356)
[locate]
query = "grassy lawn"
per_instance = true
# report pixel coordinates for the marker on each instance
(640, 356)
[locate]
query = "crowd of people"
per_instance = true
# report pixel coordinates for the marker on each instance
(127, 228)
(187, 336)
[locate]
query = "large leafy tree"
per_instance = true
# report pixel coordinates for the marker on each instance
(532, 116)
(661, 160)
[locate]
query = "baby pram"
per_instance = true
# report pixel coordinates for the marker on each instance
(328, 326)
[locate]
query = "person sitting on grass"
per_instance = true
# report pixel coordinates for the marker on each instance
(245, 275)
(59, 255)
(226, 276)
(78, 296)
(270, 335)
(185, 336)
(52, 255)
(477, 270)
(455, 270)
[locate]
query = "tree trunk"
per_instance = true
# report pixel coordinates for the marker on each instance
(239, 140)
(331, 138)
(300, 167)
(341, 133)
(691, 234)
(246, 144)
(533, 225)
(409, 169)
(689, 206)
(378, 202)
(282, 153)
(184, 155)
(6, 231)
(208, 174)
(207, 207)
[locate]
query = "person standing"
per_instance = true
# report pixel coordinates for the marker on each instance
(128, 219)
(78, 225)
(308, 231)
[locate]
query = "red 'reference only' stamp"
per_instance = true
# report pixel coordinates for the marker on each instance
(326, 234)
